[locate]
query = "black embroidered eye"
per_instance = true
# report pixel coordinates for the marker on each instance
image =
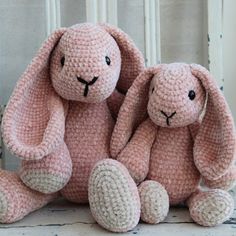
(191, 95)
(152, 89)
(108, 60)
(62, 61)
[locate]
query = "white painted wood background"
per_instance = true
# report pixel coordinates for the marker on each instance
(164, 30)
(197, 31)
(200, 31)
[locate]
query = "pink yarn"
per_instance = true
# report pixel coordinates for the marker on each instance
(205, 149)
(61, 114)
(161, 134)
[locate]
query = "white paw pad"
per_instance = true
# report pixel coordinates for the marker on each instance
(154, 202)
(43, 182)
(113, 196)
(212, 207)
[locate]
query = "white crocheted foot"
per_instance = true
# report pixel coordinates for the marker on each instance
(49, 174)
(17, 200)
(113, 196)
(154, 202)
(42, 181)
(211, 208)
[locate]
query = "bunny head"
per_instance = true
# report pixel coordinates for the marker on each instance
(175, 95)
(85, 63)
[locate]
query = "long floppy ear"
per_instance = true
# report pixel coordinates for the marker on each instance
(132, 112)
(214, 144)
(34, 119)
(132, 60)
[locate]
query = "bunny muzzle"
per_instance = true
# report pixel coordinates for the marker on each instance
(168, 117)
(87, 84)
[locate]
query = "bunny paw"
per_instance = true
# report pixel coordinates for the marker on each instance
(113, 196)
(154, 202)
(42, 181)
(212, 207)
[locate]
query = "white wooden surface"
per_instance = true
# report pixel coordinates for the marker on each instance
(66, 219)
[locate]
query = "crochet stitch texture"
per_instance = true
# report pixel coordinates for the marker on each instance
(61, 115)
(164, 145)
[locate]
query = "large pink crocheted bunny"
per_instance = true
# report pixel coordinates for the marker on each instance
(59, 117)
(158, 139)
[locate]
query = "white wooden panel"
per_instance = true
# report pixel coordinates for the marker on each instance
(131, 20)
(23, 28)
(112, 12)
(53, 13)
(152, 32)
(72, 12)
(229, 52)
(215, 21)
(101, 11)
(91, 11)
(183, 33)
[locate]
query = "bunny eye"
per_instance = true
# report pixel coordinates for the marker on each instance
(108, 60)
(191, 95)
(62, 61)
(152, 89)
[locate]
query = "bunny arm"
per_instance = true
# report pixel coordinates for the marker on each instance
(114, 102)
(135, 156)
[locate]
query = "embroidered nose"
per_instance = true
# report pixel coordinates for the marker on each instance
(168, 117)
(87, 84)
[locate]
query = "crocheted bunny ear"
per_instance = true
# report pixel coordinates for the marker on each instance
(214, 145)
(33, 123)
(133, 111)
(132, 61)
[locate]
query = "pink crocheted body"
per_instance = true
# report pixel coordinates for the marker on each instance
(62, 111)
(171, 146)
(87, 135)
(173, 128)
(172, 164)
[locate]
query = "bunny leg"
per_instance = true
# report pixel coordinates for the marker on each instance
(226, 182)
(113, 196)
(211, 207)
(50, 174)
(17, 200)
(154, 202)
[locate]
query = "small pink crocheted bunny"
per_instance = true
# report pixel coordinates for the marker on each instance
(159, 140)
(61, 114)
